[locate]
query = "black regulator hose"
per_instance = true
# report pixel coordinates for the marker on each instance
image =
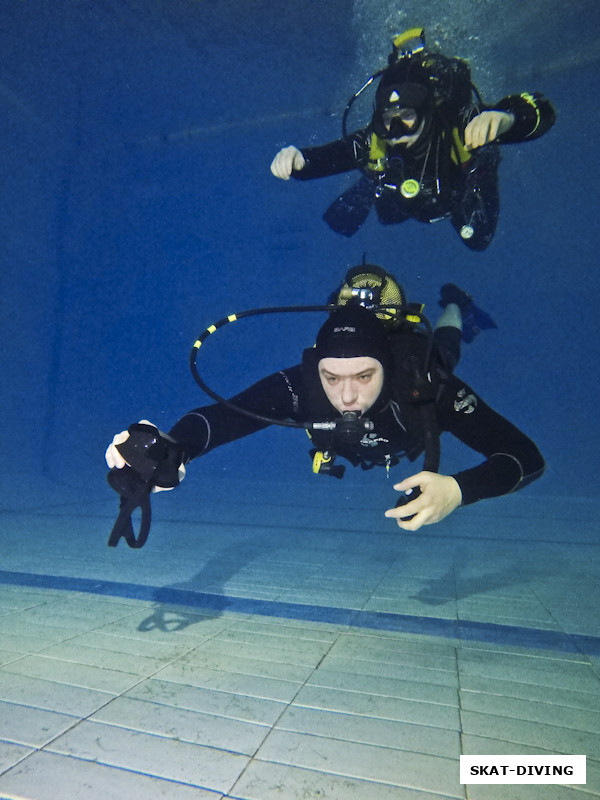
(391, 311)
(254, 312)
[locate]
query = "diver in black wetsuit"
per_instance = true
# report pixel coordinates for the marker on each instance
(431, 151)
(362, 375)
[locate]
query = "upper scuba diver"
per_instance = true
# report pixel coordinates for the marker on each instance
(375, 387)
(431, 150)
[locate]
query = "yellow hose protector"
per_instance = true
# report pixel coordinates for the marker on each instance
(319, 459)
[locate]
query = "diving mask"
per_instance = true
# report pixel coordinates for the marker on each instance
(400, 122)
(401, 109)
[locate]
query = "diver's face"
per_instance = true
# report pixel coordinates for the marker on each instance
(407, 139)
(351, 384)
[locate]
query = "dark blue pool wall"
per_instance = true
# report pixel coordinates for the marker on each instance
(137, 208)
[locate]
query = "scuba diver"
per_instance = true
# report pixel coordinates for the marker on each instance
(431, 150)
(375, 387)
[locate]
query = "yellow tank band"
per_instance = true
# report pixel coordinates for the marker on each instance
(411, 33)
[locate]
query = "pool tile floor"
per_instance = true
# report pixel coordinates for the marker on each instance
(272, 665)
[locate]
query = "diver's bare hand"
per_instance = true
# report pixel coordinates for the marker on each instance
(486, 127)
(288, 160)
(440, 495)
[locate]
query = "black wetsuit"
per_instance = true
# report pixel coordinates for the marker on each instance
(512, 460)
(452, 182)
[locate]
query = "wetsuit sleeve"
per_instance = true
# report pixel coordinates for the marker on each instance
(512, 459)
(534, 116)
(342, 155)
(201, 430)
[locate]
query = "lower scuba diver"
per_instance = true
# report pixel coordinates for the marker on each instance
(376, 389)
(431, 151)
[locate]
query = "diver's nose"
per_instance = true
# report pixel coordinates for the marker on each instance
(349, 393)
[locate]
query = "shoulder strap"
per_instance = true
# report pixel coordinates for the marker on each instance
(416, 385)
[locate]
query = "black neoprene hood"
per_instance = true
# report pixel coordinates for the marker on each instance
(395, 95)
(402, 95)
(352, 331)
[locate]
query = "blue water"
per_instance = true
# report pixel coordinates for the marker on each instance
(137, 207)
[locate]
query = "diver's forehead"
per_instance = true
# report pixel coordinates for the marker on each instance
(348, 367)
